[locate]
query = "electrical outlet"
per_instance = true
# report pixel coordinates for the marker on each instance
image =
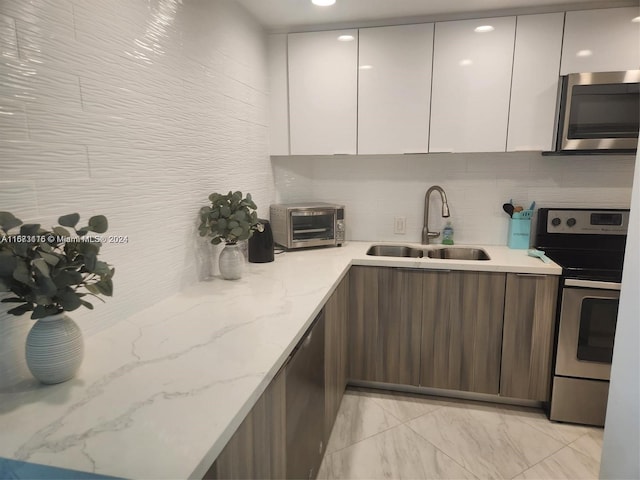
(400, 225)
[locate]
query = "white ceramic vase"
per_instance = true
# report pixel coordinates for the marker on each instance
(231, 262)
(54, 349)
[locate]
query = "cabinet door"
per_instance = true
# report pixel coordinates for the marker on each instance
(603, 40)
(258, 448)
(527, 345)
(471, 85)
(305, 394)
(462, 330)
(323, 92)
(394, 88)
(534, 86)
(335, 372)
(278, 95)
(384, 324)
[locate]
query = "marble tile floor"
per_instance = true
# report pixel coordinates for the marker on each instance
(380, 434)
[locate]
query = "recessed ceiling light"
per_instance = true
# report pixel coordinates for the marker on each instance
(484, 29)
(636, 20)
(465, 62)
(584, 53)
(365, 67)
(346, 38)
(323, 3)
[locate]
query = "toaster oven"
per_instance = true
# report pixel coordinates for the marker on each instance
(302, 225)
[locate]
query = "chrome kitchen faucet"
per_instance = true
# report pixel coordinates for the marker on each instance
(426, 234)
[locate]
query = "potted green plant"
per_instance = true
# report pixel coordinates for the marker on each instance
(230, 218)
(48, 273)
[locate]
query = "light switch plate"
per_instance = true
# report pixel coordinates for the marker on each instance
(400, 225)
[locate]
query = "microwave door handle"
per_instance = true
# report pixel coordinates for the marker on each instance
(574, 282)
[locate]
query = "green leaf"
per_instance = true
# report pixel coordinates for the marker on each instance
(98, 224)
(8, 221)
(42, 311)
(216, 241)
(105, 287)
(86, 304)
(69, 300)
(225, 211)
(41, 265)
(8, 264)
(51, 258)
(20, 309)
(22, 274)
(30, 229)
(70, 220)
(61, 232)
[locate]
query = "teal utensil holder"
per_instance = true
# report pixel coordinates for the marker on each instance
(520, 230)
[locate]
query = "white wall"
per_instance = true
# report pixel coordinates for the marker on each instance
(621, 447)
(135, 109)
(375, 189)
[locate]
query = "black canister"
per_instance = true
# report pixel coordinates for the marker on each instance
(261, 244)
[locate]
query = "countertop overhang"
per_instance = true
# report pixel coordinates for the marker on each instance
(160, 393)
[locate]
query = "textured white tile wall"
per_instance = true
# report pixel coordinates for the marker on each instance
(375, 189)
(135, 109)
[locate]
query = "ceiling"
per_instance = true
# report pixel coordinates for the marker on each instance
(300, 15)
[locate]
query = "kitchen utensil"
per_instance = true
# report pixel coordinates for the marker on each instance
(539, 254)
(508, 207)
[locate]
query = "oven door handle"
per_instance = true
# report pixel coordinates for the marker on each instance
(574, 282)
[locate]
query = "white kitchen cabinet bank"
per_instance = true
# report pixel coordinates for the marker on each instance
(323, 92)
(472, 62)
(394, 89)
(605, 40)
(534, 84)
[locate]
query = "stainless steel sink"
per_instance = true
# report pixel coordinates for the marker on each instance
(394, 251)
(458, 253)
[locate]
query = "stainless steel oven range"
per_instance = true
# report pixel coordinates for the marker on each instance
(589, 245)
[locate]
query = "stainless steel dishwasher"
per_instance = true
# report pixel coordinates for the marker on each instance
(305, 403)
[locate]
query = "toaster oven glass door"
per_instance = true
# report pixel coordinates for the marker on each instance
(313, 227)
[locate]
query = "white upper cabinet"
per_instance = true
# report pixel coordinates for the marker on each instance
(534, 86)
(472, 63)
(605, 40)
(278, 103)
(323, 92)
(394, 88)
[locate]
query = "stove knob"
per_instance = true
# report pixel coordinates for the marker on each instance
(555, 222)
(571, 222)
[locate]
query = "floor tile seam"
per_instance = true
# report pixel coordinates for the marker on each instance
(366, 438)
(409, 419)
(570, 445)
(557, 438)
(476, 475)
(540, 461)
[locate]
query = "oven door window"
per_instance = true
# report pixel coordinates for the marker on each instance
(312, 227)
(597, 329)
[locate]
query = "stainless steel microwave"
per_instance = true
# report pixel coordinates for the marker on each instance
(301, 225)
(599, 111)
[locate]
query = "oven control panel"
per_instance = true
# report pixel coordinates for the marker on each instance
(601, 222)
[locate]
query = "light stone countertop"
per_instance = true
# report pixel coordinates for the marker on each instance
(160, 393)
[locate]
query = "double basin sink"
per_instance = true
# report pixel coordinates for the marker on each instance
(448, 253)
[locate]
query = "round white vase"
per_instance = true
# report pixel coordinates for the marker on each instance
(54, 349)
(231, 262)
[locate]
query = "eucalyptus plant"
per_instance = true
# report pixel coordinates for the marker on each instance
(230, 218)
(51, 271)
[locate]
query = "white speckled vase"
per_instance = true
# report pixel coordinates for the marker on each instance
(54, 349)
(231, 262)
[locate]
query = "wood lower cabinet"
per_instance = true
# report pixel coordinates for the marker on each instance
(462, 330)
(257, 448)
(527, 344)
(336, 313)
(384, 324)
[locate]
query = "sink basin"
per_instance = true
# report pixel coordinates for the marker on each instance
(458, 253)
(394, 251)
